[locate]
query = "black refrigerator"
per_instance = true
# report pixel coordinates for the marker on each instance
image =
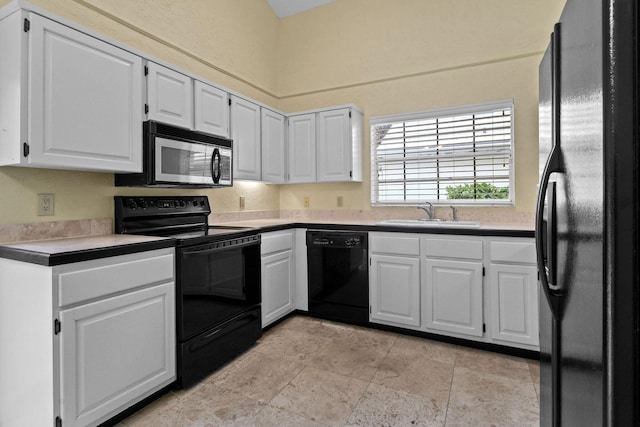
(587, 217)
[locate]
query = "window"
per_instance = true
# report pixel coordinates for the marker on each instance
(454, 156)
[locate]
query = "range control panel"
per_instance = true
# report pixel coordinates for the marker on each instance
(131, 206)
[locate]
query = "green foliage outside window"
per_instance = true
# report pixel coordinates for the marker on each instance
(477, 191)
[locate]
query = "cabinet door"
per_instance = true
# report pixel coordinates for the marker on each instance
(85, 101)
(114, 352)
(277, 286)
(273, 147)
(302, 148)
(169, 96)
(334, 146)
(245, 132)
(395, 289)
(514, 303)
(211, 109)
(453, 296)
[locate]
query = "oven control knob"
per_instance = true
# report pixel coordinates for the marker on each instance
(132, 204)
(142, 204)
(195, 202)
(201, 202)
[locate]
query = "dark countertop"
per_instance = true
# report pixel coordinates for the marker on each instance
(64, 251)
(275, 224)
(68, 250)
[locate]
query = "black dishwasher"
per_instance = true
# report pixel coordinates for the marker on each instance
(338, 275)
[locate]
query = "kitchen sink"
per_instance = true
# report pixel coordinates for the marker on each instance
(430, 223)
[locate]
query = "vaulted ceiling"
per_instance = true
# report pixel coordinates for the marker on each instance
(284, 8)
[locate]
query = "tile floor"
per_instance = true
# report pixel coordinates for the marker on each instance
(310, 372)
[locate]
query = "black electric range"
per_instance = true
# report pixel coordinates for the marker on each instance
(217, 278)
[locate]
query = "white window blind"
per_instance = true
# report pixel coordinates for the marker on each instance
(462, 155)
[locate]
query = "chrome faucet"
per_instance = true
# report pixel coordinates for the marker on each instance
(454, 212)
(429, 210)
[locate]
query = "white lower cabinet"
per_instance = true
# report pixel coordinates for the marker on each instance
(470, 287)
(395, 289)
(278, 275)
(394, 279)
(514, 292)
(91, 338)
(115, 350)
(452, 284)
(453, 296)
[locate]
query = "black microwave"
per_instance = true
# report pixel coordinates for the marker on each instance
(181, 158)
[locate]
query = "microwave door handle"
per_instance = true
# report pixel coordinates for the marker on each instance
(216, 165)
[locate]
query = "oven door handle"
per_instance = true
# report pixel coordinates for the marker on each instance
(217, 247)
(215, 334)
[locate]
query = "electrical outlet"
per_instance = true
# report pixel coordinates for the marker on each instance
(340, 201)
(46, 204)
(242, 202)
(306, 201)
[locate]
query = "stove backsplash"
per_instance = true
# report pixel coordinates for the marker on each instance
(55, 229)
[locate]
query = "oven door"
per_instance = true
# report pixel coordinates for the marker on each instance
(216, 281)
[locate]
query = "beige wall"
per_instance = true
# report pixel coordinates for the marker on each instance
(231, 42)
(392, 57)
(386, 56)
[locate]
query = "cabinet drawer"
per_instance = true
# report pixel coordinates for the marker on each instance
(520, 252)
(454, 248)
(93, 279)
(276, 242)
(396, 244)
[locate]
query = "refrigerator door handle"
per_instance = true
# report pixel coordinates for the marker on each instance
(546, 237)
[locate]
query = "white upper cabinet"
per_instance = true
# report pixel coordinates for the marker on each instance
(169, 96)
(245, 132)
(72, 99)
(302, 148)
(67, 99)
(339, 145)
(274, 153)
(211, 109)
